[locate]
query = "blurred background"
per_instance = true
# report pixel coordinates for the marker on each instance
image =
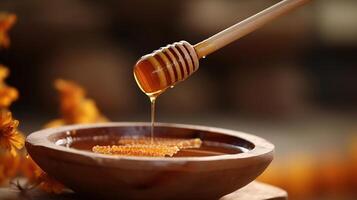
(293, 82)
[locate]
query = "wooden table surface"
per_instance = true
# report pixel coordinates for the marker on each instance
(253, 191)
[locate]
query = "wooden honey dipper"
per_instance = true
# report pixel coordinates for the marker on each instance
(169, 65)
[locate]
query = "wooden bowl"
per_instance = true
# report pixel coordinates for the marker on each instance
(106, 176)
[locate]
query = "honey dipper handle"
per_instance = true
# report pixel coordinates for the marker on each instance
(246, 26)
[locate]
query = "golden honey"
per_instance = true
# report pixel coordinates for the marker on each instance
(164, 68)
(147, 77)
(144, 146)
(180, 143)
(148, 150)
(160, 147)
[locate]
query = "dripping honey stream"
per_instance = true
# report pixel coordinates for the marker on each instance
(169, 65)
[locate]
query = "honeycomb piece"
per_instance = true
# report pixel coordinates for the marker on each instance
(170, 142)
(149, 150)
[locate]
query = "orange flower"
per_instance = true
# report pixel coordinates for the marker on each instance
(74, 106)
(9, 166)
(7, 94)
(10, 138)
(6, 22)
(39, 178)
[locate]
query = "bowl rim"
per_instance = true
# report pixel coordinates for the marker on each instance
(41, 139)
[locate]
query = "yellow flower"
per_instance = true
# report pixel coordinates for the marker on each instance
(9, 166)
(55, 123)
(4, 72)
(75, 108)
(7, 94)
(39, 178)
(10, 138)
(6, 22)
(87, 112)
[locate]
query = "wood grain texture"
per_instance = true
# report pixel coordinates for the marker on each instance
(123, 177)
